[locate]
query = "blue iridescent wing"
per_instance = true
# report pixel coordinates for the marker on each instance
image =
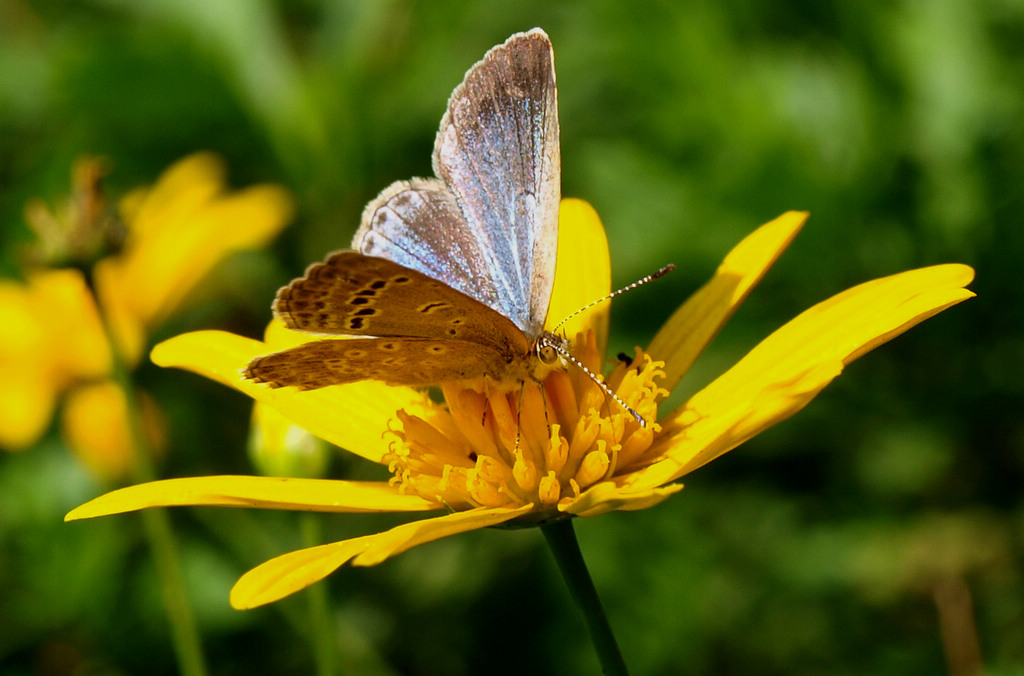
(418, 224)
(489, 226)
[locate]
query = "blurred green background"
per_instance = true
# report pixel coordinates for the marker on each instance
(877, 530)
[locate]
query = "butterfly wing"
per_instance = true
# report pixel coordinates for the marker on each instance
(396, 361)
(457, 272)
(418, 224)
(489, 227)
(355, 295)
(419, 330)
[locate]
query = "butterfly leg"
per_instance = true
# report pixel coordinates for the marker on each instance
(519, 412)
(544, 399)
(487, 398)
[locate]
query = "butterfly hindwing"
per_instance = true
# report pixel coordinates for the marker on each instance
(419, 224)
(395, 361)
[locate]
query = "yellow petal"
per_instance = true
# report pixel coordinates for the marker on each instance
(178, 232)
(181, 189)
(74, 330)
(401, 538)
(693, 438)
(177, 258)
(606, 497)
(26, 405)
(689, 330)
(354, 417)
(277, 336)
(783, 373)
(583, 273)
(311, 495)
(50, 337)
(292, 572)
(296, 570)
(29, 386)
(95, 424)
(127, 326)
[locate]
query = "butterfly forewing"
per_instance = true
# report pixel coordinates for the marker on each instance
(356, 295)
(497, 150)
(496, 153)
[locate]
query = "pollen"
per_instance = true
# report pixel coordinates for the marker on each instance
(540, 443)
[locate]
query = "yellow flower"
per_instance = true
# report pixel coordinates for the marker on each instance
(178, 230)
(56, 334)
(95, 424)
(552, 450)
(51, 337)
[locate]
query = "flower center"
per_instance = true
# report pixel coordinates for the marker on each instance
(540, 443)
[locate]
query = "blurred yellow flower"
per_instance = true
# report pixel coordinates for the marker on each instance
(95, 423)
(556, 449)
(178, 230)
(57, 335)
(51, 337)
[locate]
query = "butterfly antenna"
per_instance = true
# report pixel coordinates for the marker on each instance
(640, 282)
(564, 353)
(559, 346)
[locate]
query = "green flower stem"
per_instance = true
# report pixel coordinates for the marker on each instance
(157, 526)
(562, 540)
(320, 626)
(187, 644)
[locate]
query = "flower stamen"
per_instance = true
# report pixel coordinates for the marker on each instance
(543, 443)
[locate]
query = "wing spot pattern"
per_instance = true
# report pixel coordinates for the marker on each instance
(430, 308)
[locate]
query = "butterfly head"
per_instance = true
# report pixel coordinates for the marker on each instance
(551, 351)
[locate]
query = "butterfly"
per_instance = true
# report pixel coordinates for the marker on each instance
(448, 278)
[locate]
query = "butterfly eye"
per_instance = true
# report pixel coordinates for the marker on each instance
(547, 354)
